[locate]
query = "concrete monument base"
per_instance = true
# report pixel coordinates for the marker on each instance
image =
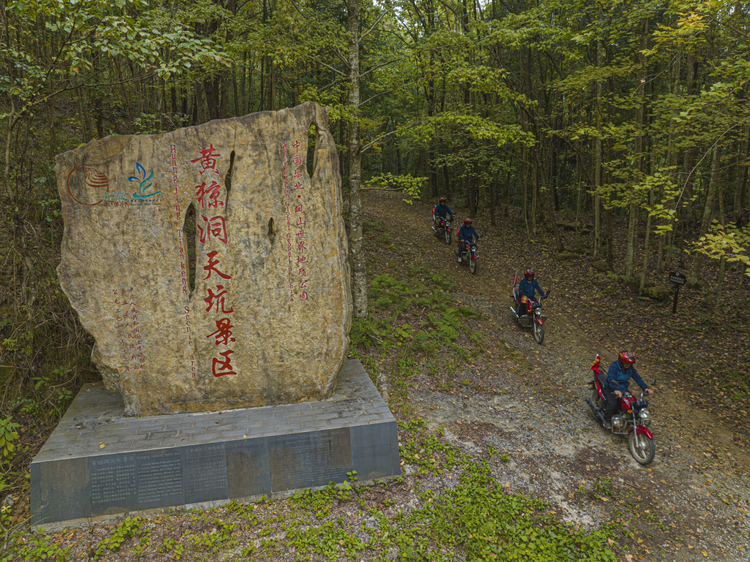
(98, 463)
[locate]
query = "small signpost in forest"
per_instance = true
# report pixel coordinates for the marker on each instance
(677, 279)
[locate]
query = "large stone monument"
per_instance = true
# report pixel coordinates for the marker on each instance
(221, 362)
(267, 321)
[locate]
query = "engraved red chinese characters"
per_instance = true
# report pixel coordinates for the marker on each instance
(221, 368)
(212, 228)
(223, 333)
(207, 159)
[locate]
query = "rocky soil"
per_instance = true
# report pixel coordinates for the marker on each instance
(514, 404)
(699, 482)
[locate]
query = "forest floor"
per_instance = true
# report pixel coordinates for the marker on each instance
(501, 457)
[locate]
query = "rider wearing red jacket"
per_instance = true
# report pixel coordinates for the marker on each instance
(618, 379)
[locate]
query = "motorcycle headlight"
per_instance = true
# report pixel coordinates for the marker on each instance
(644, 415)
(538, 312)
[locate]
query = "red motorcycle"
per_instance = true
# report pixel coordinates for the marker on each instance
(631, 417)
(444, 229)
(468, 254)
(534, 317)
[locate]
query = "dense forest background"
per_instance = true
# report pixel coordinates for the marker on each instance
(626, 117)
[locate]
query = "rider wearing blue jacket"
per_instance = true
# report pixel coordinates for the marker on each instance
(618, 380)
(465, 234)
(526, 288)
(441, 210)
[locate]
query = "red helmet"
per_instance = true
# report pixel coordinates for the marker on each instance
(626, 357)
(467, 222)
(442, 200)
(529, 273)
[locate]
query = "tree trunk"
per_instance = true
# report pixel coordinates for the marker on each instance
(579, 192)
(507, 193)
(672, 156)
(534, 189)
(638, 150)
(598, 151)
(741, 184)
(359, 265)
(713, 187)
(596, 203)
(691, 153)
(609, 238)
(491, 188)
(646, 241)
(235, 93)
(525, 192)
(549, 212)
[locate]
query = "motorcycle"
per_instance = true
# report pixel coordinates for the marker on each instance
(468, 255)
(444, 229)
(535, 312)
(632, 417)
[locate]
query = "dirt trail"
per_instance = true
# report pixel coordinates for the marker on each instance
(699, 479)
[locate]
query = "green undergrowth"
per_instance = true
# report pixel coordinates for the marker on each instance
(415, 319)
(478, 518)
(454, 509)
(415, 311)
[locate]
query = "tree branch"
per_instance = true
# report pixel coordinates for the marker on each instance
(386, 92)
(388, 134)
(381, 65)
(373, 141)
(377, 21)
(326, 65)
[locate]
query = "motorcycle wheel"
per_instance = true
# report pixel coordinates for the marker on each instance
(641, 447)
(447, 236)
(538, 332)
(472, 264)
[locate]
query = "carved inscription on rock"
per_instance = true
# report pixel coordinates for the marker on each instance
(309, 459)
(258, 311)
(204, 473)
(159, 477)
(113, 483)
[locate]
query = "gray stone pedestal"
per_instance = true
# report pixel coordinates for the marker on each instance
(98, 463)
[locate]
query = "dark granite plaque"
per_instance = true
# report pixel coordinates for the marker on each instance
(159, 476)
(248, 470)
(36, 493)
(309, 459)
(65, 490)
(113, 484)
(204, 473)
(375, 450)
(201, 458)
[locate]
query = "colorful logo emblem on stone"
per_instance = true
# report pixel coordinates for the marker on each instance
(86, 186)
(145, 183)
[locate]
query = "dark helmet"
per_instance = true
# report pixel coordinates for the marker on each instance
(467, 222)
(626, 357)
(529, 273)
(442, 200)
